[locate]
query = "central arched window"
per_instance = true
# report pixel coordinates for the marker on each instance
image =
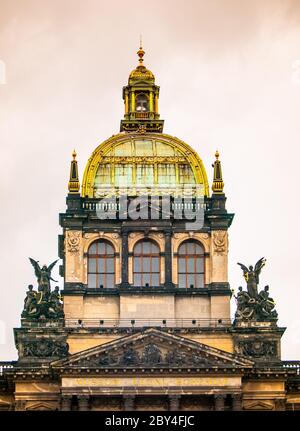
(146, 264)
(101, 265)
(190, 265)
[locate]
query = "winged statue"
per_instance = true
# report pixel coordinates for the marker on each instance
(43, 275)
(252, 276)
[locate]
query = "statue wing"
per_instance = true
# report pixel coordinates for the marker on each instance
(244, 268)
(36, 266)
(258, 266)
(50, 267)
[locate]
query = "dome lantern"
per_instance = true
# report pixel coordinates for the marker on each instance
(141, 100)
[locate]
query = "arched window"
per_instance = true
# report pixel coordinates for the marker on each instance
(141, 103)
(146, 263)
(190, 265)
(101, 265)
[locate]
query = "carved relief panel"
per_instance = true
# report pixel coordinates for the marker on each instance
(218, 258)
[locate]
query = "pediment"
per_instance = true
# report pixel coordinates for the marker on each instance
(259, 405)
(153, 348)
(40, 406)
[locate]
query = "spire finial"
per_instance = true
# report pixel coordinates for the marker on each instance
(74, 184)
(218, 184)
(141, 52)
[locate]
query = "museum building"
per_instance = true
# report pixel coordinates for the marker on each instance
(143, 321)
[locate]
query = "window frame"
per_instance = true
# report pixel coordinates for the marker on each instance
(188, 257)
(145, 258)
(106, 274)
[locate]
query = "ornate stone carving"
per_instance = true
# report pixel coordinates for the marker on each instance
(73, 241)
(252, 305)
(45, 347)
(43, 305)
(43, 275)
(178, 235)
(220, 242)
(252, 276)
(257, 348)
(151, 355)
(130, 357)
(178, 358)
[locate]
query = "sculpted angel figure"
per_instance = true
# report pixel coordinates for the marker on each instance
(252, 276)
(43, 275)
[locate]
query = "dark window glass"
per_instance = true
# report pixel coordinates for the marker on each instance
(190, 265)
(101, 265)
(146, 263)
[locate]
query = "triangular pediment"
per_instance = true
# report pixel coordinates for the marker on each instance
(153, 348)
(259, 405)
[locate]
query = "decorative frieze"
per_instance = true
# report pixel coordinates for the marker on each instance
(44, 348)
(257, 348)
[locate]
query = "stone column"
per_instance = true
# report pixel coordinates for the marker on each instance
(128, 402)
(83, 403)
(220, 402)
(124, 272)
(280, 404)
(168, 259)
(174, 401)
(66, 403)
(20, 405)
(237, 402)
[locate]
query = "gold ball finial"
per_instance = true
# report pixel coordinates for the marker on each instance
(74, 154)
(217, 155)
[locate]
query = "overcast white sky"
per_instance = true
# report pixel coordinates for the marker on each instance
(229, 72)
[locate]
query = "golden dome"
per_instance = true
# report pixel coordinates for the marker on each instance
(135, 162)
(141, 72)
